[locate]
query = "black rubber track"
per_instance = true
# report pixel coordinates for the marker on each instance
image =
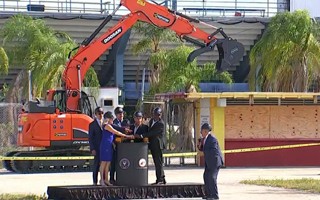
(50, 166)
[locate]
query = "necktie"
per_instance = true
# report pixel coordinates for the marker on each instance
(101, 122)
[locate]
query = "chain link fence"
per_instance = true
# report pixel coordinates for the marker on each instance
(8, 126)
(179, 130)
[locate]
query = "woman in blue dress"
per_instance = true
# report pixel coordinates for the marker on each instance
(106, 150)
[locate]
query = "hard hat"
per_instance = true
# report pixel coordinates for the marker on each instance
(138, 114)
(118, 110)
(157, 111)
(206, 126)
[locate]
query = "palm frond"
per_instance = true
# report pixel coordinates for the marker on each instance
(31, 43)
(283, 55)
(4, 62)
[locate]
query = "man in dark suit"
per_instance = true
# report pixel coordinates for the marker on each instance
(213, 161)
(95, 136)
(118, 111)
(156, 136)
(138, 127)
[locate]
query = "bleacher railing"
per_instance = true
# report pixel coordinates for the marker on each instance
(200, 8)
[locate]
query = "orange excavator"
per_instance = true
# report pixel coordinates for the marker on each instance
(61, 125)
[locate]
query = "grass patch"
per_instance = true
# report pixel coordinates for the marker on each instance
(22, 197)
(305, 184)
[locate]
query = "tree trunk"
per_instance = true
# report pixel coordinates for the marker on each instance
(185, 141)
(305, 74)
(13, 98)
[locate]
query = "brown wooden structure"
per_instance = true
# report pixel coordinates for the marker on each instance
(252, 119)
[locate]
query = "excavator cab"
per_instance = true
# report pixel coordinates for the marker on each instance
(59, 99)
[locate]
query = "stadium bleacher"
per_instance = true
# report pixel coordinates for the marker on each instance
(245, 30)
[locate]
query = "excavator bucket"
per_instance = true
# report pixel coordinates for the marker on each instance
(230, 53)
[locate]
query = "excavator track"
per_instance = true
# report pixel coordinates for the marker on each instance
(7, 163)
(49, 166)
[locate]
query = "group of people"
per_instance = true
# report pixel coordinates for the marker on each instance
(102, 132)
(105, 127)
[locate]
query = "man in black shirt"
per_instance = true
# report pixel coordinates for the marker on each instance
(156, 136)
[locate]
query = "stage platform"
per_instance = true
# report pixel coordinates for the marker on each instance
(89, 192)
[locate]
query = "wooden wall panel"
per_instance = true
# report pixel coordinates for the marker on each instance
(247, 122)
(254, 122)
(235, 121)
(294, 122)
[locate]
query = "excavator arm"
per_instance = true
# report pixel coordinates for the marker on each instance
(63, 127)
(230, 51)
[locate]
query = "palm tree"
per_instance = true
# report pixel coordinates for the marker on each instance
(170, 71)
(31, 44)
(151, 44)
(287, 57)
(179, 75)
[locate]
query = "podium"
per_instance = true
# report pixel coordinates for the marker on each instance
(132, 164)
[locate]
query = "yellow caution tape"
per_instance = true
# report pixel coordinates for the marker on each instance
(49, 158)
(270, 148)
(168, 155)
(186, 154)
(254, 149)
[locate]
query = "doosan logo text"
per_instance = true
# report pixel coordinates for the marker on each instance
(112, 35)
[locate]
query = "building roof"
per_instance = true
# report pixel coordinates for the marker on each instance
(262, 95)
(239, 95)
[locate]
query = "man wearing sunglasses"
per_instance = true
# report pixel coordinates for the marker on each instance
(95, 136)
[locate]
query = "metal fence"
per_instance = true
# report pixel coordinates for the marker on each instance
(205, 8)
(180, 134)
(9, 124)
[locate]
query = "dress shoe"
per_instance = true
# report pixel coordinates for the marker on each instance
(112, 181)
(163, 182)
